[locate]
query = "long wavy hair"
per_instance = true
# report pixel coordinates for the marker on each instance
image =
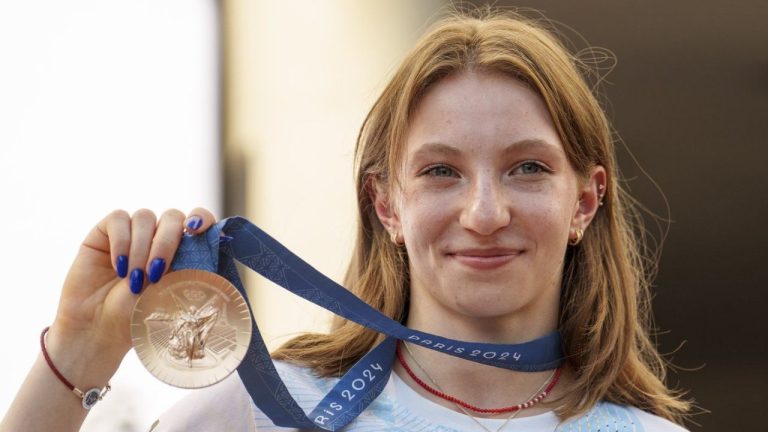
(605, 317)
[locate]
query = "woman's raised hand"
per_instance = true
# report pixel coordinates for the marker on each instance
(121, 256)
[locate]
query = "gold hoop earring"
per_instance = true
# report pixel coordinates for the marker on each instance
(394, 237)
(579, 236)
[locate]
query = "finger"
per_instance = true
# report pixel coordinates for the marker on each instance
(167, 238)
(142, 231)
(199, 220)
(106, 238)
(118, 229)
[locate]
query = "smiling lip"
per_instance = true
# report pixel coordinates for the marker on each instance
(485, 259)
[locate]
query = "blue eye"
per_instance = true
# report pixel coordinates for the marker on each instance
(530, 167)
(440, 171)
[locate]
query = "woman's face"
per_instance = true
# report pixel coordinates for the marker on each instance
(487, 202)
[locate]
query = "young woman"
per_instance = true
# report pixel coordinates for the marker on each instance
(489, 211)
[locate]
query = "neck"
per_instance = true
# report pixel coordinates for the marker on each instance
(521, 326)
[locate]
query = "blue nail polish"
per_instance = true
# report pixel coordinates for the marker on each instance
(137, 280)
(122, 266)
(194, 222)
(156, 269)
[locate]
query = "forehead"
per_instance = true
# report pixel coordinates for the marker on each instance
(477, 110)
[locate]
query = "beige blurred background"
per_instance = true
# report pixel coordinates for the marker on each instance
(299, 78)
(268, 126)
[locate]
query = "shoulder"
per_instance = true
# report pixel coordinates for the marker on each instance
(228, 406)
(606, 416)
(654, 423)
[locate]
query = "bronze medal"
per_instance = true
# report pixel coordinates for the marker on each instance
(191, 329)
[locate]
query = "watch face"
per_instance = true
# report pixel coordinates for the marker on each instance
(191, 329)
(91, 397)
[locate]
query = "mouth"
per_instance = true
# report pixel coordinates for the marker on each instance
(485, 259)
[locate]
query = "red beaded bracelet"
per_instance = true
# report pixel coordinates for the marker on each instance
(91, 396)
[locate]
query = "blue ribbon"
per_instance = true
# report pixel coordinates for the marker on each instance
(237, 239)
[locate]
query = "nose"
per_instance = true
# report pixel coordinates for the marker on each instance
(486, 210)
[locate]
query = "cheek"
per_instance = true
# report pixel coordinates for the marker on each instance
(547, 216)
(423, 216)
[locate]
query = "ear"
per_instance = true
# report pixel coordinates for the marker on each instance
(386, 210)
(590, 198)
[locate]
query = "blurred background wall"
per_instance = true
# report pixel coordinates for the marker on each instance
(282, 98)
(300, 78)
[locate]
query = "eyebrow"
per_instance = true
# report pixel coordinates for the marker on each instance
(448, 150)
(437, 148)
(532, 143)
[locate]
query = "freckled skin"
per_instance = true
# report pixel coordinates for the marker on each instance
(485, 208)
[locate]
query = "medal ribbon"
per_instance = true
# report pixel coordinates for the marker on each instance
(238, 239)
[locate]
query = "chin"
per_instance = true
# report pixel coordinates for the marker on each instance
(489, 309)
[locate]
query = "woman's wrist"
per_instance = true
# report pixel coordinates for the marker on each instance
(84, 362)
(88, 397)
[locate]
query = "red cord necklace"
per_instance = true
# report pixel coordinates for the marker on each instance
(531, 402)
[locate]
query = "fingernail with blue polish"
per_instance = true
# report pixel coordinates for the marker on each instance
(156, 269)
(194, 222)
(122, 266)
(137, 280)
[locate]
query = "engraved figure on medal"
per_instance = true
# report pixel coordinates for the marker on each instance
(192, 329)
